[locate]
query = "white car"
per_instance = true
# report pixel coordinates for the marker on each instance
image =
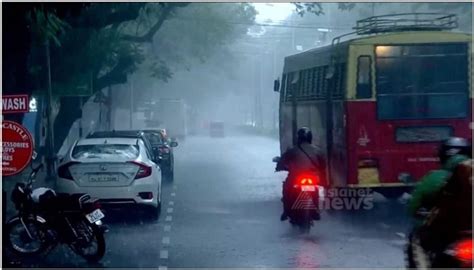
(115, 170)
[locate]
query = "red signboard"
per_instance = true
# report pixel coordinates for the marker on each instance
(15, 104)
(17, 148)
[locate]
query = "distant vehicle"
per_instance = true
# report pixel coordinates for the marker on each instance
(380, 103)
(164, 146)
(118, 171)
(170, 114)
(216, 129)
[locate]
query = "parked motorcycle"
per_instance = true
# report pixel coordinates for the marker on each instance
(46, 219)
(303, 195)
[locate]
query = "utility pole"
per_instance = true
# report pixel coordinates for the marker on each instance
(50, 155)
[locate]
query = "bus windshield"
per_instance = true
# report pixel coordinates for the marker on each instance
(422, 81)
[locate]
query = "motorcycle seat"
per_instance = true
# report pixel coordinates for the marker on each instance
(64, 201)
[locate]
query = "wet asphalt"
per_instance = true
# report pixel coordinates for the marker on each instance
(222, 211)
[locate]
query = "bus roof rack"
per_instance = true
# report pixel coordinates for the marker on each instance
(406, 22)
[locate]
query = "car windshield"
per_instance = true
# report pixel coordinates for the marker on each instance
(154, 138)
(105, 151)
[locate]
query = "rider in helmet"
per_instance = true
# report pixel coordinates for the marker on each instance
(304, 157)
(452, 152)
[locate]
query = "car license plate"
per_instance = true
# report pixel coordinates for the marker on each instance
(95, 216)
(308, 188)
(103, 178)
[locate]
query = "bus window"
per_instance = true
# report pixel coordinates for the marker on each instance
(292, 86)
(324, 81)
(435, 85)
(309, 78)
(364, 85)
(304, 82)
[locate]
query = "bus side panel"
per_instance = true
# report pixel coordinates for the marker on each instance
(312, 114)
(339, 148)
(286, 130)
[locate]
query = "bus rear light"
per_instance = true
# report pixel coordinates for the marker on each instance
(368, 163)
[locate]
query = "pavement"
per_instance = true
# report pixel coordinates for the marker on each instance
(222, 211)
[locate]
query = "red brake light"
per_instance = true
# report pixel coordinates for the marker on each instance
(309, 180)
(143, 170)
(463, 250)
(64, 172)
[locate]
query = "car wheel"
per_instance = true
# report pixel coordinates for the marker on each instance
(154, 211)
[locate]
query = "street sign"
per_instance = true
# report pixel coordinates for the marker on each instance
(17, 148)
(15, 104)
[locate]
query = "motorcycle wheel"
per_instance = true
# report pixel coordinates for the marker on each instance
(27, 237)
(410, 263)
(419, 257)
(91, 246)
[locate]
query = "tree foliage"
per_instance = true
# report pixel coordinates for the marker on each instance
(317, 8)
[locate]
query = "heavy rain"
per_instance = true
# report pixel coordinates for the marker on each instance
(237, 135)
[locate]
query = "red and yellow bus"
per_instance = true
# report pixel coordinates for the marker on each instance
(379, 104)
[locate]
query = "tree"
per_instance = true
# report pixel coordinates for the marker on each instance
(103, 44)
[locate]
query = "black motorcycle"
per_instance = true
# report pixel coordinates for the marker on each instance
(302, 193)
(46, 219)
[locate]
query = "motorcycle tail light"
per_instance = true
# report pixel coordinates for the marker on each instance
(462, 250)
(143, 170)
(64, 170)
(309, 180)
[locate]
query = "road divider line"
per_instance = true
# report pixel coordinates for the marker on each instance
(164, 254)
(173, 194)
(169, 218)
(170, 210)
(167, 228)
(162, 268)
(166, 240)
(171, 203)
(175, 187)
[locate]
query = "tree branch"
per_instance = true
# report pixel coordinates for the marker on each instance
(98, 17)
(118, 75)
(148, 37)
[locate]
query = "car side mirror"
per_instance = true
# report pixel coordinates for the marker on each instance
(276, 85)
(173, 143)
(276, 159)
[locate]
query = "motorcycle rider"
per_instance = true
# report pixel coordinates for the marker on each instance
(446, 193)
(452, 152)
(304, 157)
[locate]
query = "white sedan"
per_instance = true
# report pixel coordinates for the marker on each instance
(115, 170)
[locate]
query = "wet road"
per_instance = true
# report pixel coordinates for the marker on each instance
(223, 210)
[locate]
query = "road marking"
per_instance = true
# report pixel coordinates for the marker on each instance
(165, 240)
(171, 203)
(167, 228)
(401, 235)
(170, 210)
(162, 268)
(173, 194)
(164, 254)
(175, 187)
(169, 218)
